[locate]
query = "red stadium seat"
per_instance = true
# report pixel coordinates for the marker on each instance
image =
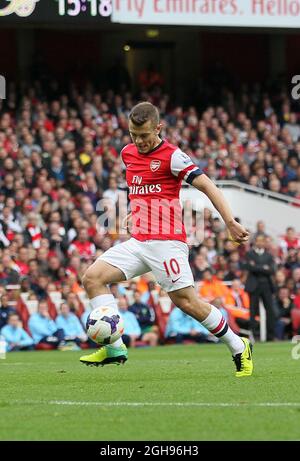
(52, 308)
(162, 319)
(232, 322)
(295, 316)
(81, 308)
(140, 343)
(44, 347)
(23, 313)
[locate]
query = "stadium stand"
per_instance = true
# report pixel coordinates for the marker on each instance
(60, 155)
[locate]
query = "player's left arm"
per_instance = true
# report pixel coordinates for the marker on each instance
(204, 184)
(183, 168)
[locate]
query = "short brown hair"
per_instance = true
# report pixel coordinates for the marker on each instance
(143, 112)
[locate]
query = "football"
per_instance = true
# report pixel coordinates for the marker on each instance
(104, 325)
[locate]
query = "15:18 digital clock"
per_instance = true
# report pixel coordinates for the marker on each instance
(90, 7)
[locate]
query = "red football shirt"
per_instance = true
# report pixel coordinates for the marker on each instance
(154, 181)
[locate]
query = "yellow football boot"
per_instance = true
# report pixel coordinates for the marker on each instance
(243, 361)
(106, 355)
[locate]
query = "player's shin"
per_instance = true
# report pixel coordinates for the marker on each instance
(109, 301)
(217, 325)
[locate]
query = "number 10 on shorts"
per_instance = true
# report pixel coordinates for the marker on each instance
(172, 267)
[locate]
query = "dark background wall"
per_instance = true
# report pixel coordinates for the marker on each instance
(186, 56)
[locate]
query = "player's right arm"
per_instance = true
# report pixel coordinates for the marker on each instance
(204, 184)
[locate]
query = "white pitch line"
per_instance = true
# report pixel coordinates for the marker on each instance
(160, 404)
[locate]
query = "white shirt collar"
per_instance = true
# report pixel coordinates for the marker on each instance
(259, 251)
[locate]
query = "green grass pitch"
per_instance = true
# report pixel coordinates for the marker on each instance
(167, 393)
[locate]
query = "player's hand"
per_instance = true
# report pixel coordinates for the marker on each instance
(286, 303)
(237, 233)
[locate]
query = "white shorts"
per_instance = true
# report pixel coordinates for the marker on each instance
(167, 259)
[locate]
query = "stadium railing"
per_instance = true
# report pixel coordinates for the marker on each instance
(250, 204)
(258, 190)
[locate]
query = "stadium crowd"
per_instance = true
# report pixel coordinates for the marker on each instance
(60, 155)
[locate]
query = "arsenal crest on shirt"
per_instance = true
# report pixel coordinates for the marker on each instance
(154, 165)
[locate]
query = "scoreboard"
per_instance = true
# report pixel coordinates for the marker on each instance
(55, 11)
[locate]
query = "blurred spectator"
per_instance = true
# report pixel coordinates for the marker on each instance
(9, 271)
(22, 261)
(150, 78)
(132, 329)
(6, 310)
(283, 306)
(296, 278)
(260, 266)
(279, 279)
(212, 287)
(297, 298)
(112, 193)
(260, 230)
(33, 233)
(16, 337)
(145, 316)
(293, 127)
(290, 240)
(182, 327)
(43, 329)
(72, 301)
(237, 296)
(295, 314)
(210, 244)
(40, 286)
(199, 265)
(151, 294)
(238, 306)
(9, 221)
(234, 269)
(82, 246)
(70, 324)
